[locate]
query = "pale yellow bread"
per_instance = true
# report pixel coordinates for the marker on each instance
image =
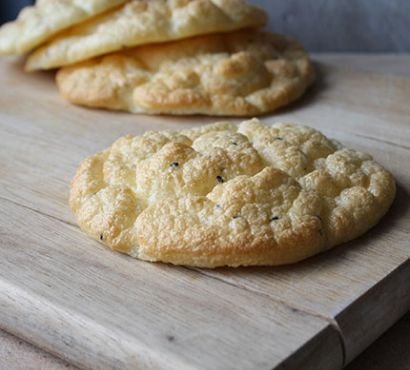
(36, 24)
(242, 73)
(141, 22)
(229, 195)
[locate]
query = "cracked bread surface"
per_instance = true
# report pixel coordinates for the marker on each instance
(140, 22)
(228, 195)
(243, 73)
(36, 24)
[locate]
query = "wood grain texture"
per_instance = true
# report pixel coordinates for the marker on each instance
(390, 351)
(387, 64)
(103, 310)
(16, 354)
(368, 112)
(94, 307)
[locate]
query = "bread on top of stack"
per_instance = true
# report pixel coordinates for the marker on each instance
(37, 24)
(162, 56)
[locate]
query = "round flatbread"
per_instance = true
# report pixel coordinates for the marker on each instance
(229, 195)
(36, 24)
(141, 22)
(241, 74)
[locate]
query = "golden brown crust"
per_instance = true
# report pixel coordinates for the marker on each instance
(141, 22)
(242, 73)
(229, 195)
(36, 24)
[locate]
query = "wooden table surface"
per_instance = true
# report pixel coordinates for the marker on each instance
(389, 349)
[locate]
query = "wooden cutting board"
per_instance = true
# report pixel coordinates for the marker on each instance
(98, 309)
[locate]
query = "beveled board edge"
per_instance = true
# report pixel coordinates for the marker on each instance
(84, 342)
(376, 311)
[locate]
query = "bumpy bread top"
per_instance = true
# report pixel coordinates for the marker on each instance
(141, 22)
(240, 73)
(229, 195)
(36, 24)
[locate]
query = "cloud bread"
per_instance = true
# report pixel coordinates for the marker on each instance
(36, 24)
(229, 195)
(240, 73)
(141, 22)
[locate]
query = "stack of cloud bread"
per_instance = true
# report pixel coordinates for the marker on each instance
(161, 56)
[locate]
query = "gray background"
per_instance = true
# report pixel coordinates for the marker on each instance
(324, 25)
(343, 25)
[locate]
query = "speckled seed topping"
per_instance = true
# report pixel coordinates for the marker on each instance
(229, 195)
